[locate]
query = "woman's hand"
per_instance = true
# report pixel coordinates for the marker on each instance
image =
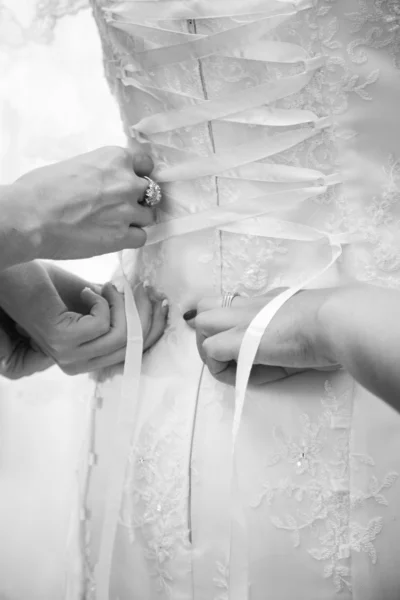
(80, 326)
(294, 341)
(67, 340)
(81, 207)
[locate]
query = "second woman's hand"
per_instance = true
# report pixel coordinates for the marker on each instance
(81, 327)
(294, 341)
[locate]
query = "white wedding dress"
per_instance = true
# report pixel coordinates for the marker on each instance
(274, 127)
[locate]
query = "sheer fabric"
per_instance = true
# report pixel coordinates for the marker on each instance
(274, 129)
(316, 512)
(52, 99)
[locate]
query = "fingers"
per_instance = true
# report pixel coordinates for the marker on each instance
(140, 215)
(260, 375)
(142, 165)
(134, 238)
(110, 349)
(115, 358)
(95, 364)
(98, 321)
(115, 338)
(222, 348)
(153, 312)
(211, 303)
(215, 302)
(141, 161)
(158, 325)
(221, 353)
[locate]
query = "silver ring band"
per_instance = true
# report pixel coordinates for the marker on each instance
(227, 300)
(152, 195)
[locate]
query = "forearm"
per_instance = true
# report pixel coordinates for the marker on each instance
(26, 286)
(19, 232)
(361, 326)
(69, 286)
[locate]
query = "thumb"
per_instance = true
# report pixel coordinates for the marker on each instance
(96, 304)
(222, 348)
(141, 160)
(135, 238)
(97, 321)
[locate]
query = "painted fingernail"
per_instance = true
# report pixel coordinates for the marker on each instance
(190, 314)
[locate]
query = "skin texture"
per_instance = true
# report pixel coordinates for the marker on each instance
(82, 207)
(78, 208)
(50, 316)
(356, 327)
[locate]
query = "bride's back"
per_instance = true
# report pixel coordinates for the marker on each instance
(275, 131)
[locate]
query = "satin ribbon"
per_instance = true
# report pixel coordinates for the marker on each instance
(238, 562)
(251, 216)
(196, 49)
(196, 9)
(121, 440)
(265, 93)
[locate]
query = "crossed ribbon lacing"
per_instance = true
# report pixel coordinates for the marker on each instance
(252, 19)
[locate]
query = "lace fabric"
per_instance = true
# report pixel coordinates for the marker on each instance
(316, 143)
(285, 102)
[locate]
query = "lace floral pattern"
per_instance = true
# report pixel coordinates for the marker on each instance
(320, 498)
(45, 17)
(157, 488)
(379, 22)
(309, 472)
(221, 581)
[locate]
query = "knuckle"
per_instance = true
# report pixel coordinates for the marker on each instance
(57, 350)
(103, 327)
(63, 361)
(115, 153)
(70, 369)
(206, 346)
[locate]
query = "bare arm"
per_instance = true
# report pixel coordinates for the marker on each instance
(357, 327)
(361, 327)
(19, 229)
(85, 206)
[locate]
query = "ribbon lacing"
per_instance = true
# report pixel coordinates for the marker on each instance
(251, 20)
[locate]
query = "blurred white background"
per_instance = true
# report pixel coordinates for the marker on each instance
(54, 103)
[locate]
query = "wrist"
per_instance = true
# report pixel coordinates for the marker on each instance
(20, 235)
(20, 280)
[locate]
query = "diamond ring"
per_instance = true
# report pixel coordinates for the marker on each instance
(152, 195)
(227, 300)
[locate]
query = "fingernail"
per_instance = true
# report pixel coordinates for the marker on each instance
(146, 284)
(165, 303)
(87, 289)
(190, 314)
